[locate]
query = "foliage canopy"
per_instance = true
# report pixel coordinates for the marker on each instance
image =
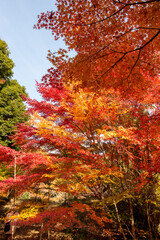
(6, 63)
(117, 42)
(91, 149)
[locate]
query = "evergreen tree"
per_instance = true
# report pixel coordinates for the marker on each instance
(12, 108)
(6, 63)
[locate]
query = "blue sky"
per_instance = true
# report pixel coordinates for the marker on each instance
(28, 46)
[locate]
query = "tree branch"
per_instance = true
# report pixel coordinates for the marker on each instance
(134, 64)
(104, 19)
(136, 3)
(125, 53)
(118, 37)
(113, 65)
(139, 48)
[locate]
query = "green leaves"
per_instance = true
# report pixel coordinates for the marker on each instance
(12, 109)
(6, 63)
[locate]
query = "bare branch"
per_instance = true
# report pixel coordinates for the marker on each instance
(148, 28)
(92, 55)
(113, 65)
(125, 53)
(149, 41)
(125, 5)
(136, 3)
(118, 37)
(104, 19)
(139, 48)
(104, 55)
(134, 64)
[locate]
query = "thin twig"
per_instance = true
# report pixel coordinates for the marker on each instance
(134, 64)
(113, 65)
(139, 48)
(136, 3)
(104, 19)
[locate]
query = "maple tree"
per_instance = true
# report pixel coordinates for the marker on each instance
(115, 41)
(92, 147)
(94, 139)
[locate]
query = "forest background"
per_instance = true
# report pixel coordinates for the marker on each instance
(88, 164)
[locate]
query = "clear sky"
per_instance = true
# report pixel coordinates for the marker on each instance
(28, 46)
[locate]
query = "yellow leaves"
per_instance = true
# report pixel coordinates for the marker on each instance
(48, 175)
(29, 210)
(106, 179)
(94, 177)
(86, 108)
(117, 174)
(76, 188)
(125, 133)
(48, 126)
(114, 199)
(106, 135)
(43, 125)
(85, 103)
(119, 132)
(90, 178)
(80, 108)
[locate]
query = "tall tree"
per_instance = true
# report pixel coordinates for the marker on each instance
(6, 63)
(12, 108)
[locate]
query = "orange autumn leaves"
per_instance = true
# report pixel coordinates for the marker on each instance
(100, 111)
(95, 137)
(93, 121)
(116, 42)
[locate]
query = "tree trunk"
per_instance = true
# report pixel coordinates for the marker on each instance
(119, 221)
(149, 223)
(48, 234)
(132, 219)
(15, 173)
(41, 231)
